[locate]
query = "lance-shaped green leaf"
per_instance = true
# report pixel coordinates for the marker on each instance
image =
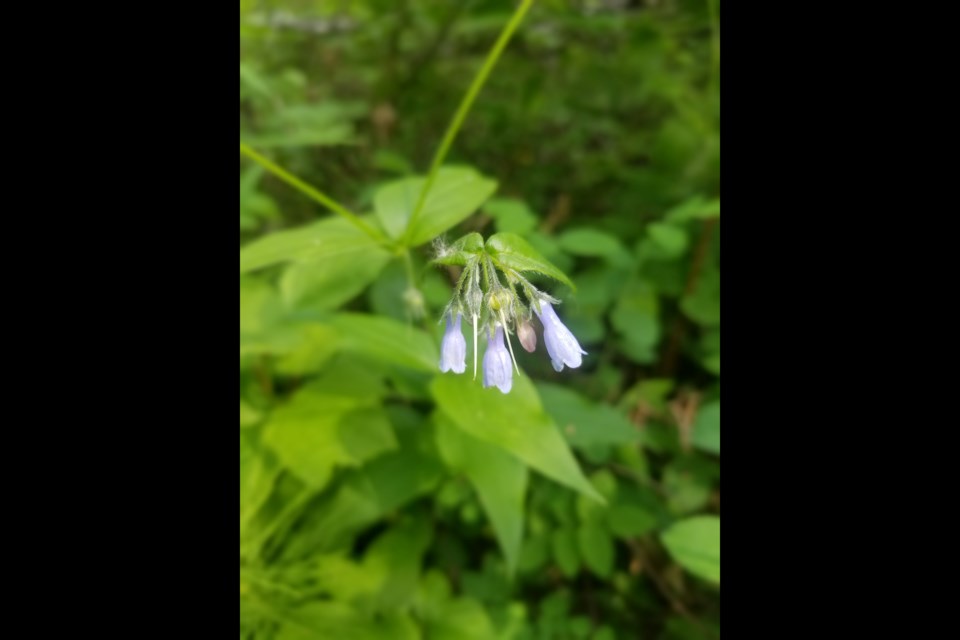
(510, 251)
(695, 544)
(461, 251)
(329, 239)
(515, 422)
(498, 478)
(457, 192)
(387, 340)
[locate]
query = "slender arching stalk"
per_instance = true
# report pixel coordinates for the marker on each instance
(461, 115)
(311, 192)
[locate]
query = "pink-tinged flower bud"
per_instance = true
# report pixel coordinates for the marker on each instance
(527, 336)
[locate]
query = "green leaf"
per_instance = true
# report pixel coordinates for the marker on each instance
(511, 215)
(698, 208)
(703, 305)
(565, 551)
(515, 422)
(326, 240)
(398, 553)
(387, 340)
(594, 244)
(249, 416)
(316, 345)
(706, 430)
(499, 479)
(258, 473)
(380, 486)
(328, 282)
(637, 317)
(695, 544)
(461, 619)
(596, 548)
(672, 241)
(585, 423)
(317, 431)
(712, 363)
(510, 251)
(462, 251)
(456, 193)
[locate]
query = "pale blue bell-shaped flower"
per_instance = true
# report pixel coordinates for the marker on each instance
(453, 351)
(561, 345)
(497, 365)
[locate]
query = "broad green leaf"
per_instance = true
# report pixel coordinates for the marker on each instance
(249, 416)
(456, 193)
(511, 215)
(387, 340)
(585, 423)
(499, 479)
(325, 240)
(398, 553)
(263, 327)
(367, 494)
(327, 282)
(595, 244)
(706, 430)
(448, 618)
(596, 548)
(515, 422)
(510, 251)
(698, 208)
(695, 544)
(563, 543)
(712, 363)
(310, 354)
(637, 317)
(317, 431)
(258, 473)
(392, 480)
(672, 241)
(703, 305)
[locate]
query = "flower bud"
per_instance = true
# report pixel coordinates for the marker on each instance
(527, 336)
(414, 301)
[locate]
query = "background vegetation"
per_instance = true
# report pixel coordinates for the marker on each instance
(382, 499)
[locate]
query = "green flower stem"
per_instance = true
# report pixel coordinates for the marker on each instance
(312, 193)
(479, 80)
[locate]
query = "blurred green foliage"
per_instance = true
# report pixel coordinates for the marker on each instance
(381, 499)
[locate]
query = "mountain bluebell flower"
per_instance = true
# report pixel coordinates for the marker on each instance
(453, 352)
(561, 345)
(497, 365)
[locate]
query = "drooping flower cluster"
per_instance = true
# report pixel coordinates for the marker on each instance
(496, 311)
